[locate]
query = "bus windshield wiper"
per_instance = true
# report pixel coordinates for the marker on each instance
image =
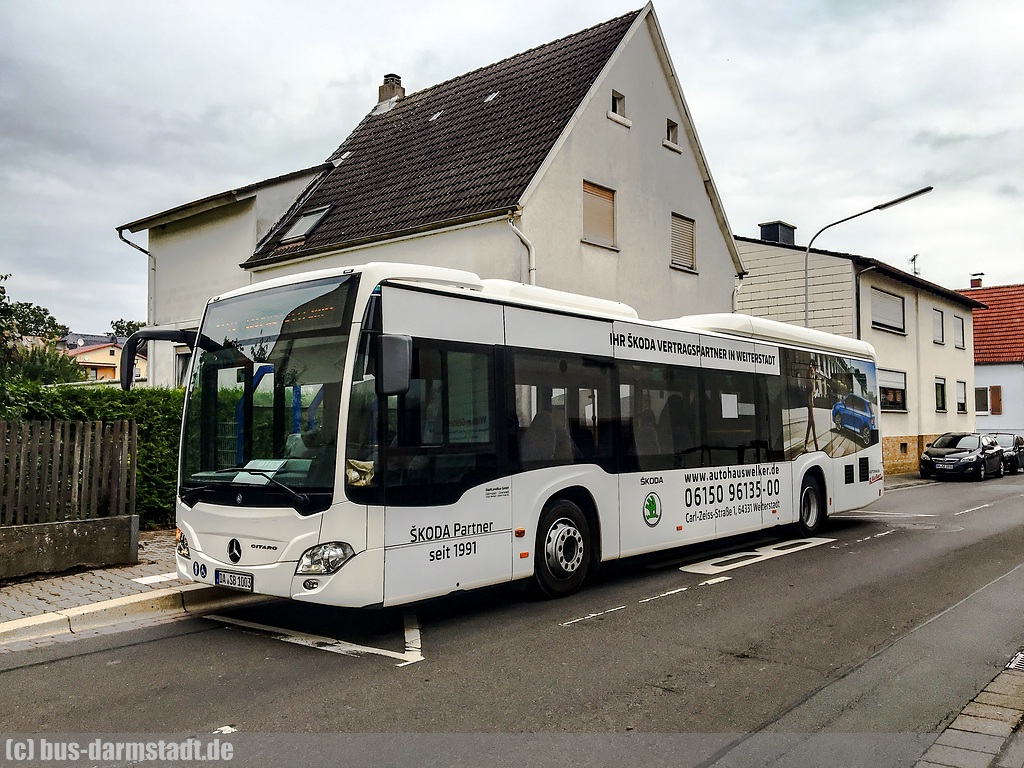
(301, 501)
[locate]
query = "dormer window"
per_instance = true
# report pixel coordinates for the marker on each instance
(304, 225)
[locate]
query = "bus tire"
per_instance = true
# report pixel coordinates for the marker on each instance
(811, 508)
(563, 553)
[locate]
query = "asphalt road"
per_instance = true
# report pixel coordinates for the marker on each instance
(887, 627)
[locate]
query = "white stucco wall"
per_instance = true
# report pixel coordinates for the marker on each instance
(1009, 376)
(650, 183)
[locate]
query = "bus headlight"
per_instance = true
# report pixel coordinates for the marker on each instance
(324, 558)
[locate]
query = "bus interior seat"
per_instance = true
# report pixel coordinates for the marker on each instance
(537, 443)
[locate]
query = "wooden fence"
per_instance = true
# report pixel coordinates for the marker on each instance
(66, 470)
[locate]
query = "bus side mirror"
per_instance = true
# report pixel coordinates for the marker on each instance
(394, 364)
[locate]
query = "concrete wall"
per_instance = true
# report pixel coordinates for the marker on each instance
(57, 547)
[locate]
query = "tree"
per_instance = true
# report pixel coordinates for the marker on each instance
(124, 327)
(34, 320)
(48, 365)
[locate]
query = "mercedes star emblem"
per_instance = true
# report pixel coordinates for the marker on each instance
(234, 550)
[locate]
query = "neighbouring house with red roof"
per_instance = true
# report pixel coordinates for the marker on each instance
(574, 165)
(998, 357)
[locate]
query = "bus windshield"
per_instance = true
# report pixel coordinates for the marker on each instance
(261, 414)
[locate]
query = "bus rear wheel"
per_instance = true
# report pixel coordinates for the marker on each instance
(562, 557)
(812, 507)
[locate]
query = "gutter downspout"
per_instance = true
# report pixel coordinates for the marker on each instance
(530, 250)
(857, 297)
(151, 308)
(736, 291)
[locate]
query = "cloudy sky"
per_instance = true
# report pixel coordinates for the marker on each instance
(808, 111)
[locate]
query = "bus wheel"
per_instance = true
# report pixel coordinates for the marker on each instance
(563, 549)
(812, 507)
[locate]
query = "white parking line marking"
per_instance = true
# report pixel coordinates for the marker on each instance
(593, 615)
(739, 559)
(147, 580)
(413, 650)
(719, 580)
(972, 509)
(664, 594)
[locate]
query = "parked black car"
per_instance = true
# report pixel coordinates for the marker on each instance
(1013, 450)
(957, 454)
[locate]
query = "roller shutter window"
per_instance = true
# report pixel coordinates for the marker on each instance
(892, 386)
(887, 311)
(684, 248)
(598, 215)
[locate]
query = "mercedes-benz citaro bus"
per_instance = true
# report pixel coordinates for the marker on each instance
(382, 434)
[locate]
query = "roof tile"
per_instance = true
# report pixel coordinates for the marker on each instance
(999, 329)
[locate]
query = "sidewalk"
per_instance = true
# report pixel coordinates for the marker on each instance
(41, 610)
(44, 610)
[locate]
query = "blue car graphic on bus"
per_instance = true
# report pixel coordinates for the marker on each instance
(855, 414)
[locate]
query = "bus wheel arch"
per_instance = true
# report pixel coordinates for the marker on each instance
(812, 507)
(567, 546)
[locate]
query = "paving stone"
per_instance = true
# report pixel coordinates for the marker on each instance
(999, 700)
(982, 725)
(960, 758)
(978, 742)
(1006, 714)
(1013, 755)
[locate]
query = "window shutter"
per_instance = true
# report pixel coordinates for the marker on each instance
(598, 214)
(684, 249)
(886, 310)
(995, 400)
(892, 379)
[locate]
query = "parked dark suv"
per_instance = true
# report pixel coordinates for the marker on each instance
(957, 454)
(1013, 450)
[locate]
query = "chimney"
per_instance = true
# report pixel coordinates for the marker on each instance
(976, 279)
(391, 88)
(778, 232)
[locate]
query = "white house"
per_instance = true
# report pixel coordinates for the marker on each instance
(574, 165)
(998, 357)
(922, 333)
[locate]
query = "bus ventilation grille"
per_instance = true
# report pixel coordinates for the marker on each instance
(1017, 662)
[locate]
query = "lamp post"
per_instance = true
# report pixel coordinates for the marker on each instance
(807, 253)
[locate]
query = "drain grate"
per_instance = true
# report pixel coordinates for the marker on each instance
(1017, 662)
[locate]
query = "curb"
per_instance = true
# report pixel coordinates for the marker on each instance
(189, 600)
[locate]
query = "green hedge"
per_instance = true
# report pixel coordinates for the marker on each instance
(157, 413)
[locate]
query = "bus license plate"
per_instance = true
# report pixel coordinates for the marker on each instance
(233, 580)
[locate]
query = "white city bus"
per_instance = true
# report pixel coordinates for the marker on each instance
(389, 433)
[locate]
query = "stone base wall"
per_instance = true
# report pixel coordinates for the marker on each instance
(902, 453)
(56, 547)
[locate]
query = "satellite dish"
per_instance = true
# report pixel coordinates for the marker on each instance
(80, 342)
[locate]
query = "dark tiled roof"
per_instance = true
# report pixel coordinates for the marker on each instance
(447, 153)
(999, 329)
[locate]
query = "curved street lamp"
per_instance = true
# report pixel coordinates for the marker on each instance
(879, 207)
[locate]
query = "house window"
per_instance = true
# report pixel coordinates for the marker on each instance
(672, 131)
(961, 397)
(892, 386)
(958, 332)
(989, 400)
(938, 330)
(887, 311)
(684, 251)
(303, 225)
(618, 104)
(113, 352)
(598, 215)
(940, 393)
